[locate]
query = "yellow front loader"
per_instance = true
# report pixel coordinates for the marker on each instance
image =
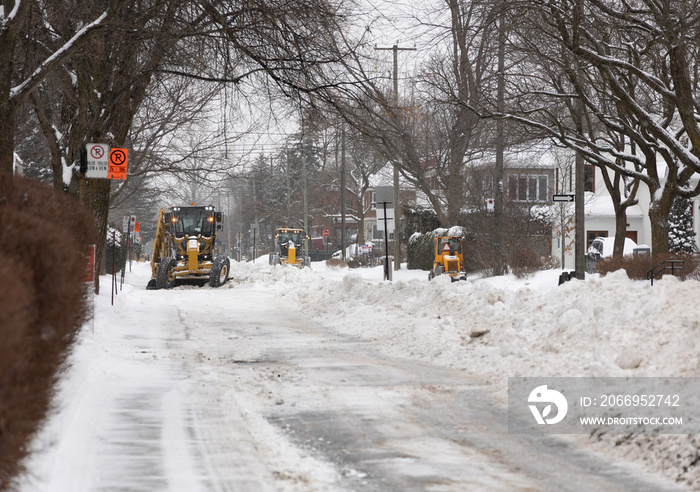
(449, 258)
(184, 248)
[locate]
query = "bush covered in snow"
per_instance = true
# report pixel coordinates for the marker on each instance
(420, 251)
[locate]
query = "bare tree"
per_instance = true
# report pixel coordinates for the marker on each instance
(21, 73)
(99, 90)
(628, 64)
(107, 82)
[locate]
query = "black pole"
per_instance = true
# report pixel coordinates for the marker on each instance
(386, 246)
(124, 251)
(128, 241)
(114, 264)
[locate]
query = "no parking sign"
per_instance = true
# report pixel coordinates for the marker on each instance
(97, 160)
(117, 163)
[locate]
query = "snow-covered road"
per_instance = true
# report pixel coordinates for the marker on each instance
(240, 389)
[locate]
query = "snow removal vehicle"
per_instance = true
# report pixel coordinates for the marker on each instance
(184, 248)
(290, 248)
(449, 258)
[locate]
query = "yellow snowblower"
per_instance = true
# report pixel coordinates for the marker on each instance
(448, 258)
(184, 248)
(290, 246)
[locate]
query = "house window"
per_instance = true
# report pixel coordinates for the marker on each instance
(528, 188)
(594, 234)
(522, 188)
(542, 188)
(589, 178)
(512, 193)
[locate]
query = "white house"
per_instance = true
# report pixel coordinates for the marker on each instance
(600, 215)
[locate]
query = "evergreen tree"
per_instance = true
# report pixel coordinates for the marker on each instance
(681, 237)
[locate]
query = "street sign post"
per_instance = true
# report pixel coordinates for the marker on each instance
(132, 221)
(384, 195)
(569, 197)
(239, 240)
(254, 228)
(383, 199)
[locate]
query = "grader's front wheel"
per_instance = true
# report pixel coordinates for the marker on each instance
(165, 278)
(219, 271)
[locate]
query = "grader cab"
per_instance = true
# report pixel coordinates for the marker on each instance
(449, 258)
(184, 248)
(290, 248)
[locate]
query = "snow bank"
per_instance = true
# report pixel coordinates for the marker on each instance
(504, 327)
(520, 328)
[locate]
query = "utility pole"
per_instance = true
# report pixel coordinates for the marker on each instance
(397, 203)
(579, 221)
(228, 222)
(255, 223)
(304, 184)
(343, 239)
(499, 266)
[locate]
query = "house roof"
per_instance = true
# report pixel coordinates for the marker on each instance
(541, 154)
(601, 206)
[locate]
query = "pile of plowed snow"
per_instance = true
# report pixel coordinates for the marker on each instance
(500, 328)
(610, 326)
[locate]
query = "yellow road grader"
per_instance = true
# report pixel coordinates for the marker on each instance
(184, 248)
(449, 258)
(290, 248)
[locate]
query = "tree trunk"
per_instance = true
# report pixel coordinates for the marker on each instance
(97, 193)
(658, 216)
(620, 230)
(7, 106)
(455, 195)
(7, 136)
